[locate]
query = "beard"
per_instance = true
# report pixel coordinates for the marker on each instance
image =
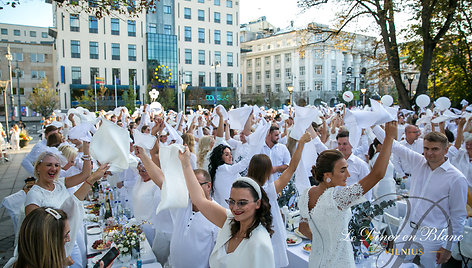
(275, 141)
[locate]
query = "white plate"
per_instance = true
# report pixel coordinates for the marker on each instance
(306, 251)
(297, 239)
(94, 231)
(297, 232)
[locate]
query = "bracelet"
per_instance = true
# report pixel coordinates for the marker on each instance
(86, 181)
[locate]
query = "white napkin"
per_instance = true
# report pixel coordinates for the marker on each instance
(464, 103)
(143, 140)
(302, 120)
(446, 116)
(426, 118)
(110, 144)
(216, 118)
(82, 132)
(173, 135)
(238, 117)
(174, 189)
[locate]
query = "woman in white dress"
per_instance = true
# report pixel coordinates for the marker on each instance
(385, 189)
(328, 210)
(15, 137)
(244, 238)
(260, 169)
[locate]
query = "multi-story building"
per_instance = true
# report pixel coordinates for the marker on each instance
(113, 48)
(33, 59)
(208, 49)
(317, 68)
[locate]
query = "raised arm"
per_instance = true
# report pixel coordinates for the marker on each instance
(211, 210)
(288, 173)
(156, 174)
(86, 169)
(380, 166)
(220, 130)
(81, 193)
(460, 133)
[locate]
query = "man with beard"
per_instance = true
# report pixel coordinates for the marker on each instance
(278, 153)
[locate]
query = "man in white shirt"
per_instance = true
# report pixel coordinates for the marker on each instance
(278, 153)
(194, 236)
(38, 148)
(357, 167)
(437, 199)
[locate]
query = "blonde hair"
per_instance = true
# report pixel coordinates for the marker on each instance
(69, 152)
(41, 240)
(40, 159)
(204, 146)
(189, 139)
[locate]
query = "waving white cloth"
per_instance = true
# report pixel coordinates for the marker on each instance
(238, 117)
(110, 144)
(74, 209)
(174, 190)
(426, 118)
(216, 118)
(82, 132)
(144, 140)
(302, 120)
(256, 139)
(173, 135)
(446, 116)
(142, 196)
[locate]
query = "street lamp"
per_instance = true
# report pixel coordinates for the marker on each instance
(290, 90)
(17, 71)
(410, 76)
(184, 87)
(363, 90)
(215, 65)
(4, 85)
(340, 73)
(9, 57)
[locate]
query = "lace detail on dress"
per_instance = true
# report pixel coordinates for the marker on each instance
(303, 204)
(346, 197)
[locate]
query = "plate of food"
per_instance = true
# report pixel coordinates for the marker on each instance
(94, 230)
(293, 240)
(297, 232)
(307, 248)
(99, 245)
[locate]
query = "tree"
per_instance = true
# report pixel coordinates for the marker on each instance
(129, 98)
(435, 18)
(43, 99)
(88, 99)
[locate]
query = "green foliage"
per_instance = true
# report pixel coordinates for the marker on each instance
(129, 97)
(87, 100)
(167, 98)
(43, 99)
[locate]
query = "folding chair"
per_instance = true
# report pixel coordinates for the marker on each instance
(14, 204)
(392, 222)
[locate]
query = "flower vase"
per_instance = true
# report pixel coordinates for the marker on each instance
(125, 258)
(24, 143)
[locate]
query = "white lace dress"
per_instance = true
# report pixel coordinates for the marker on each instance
(328, 221)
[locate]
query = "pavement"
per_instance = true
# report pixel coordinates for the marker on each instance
(12, 176)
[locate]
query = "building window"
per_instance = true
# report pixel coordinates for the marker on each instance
(32, 34)
(229, 3)
(188, 77)
(167, 29)
(217, 17)
(201, 1)
(201, 15)
(229, 19)
(187, 13)
(302, 85)
(22, 91)
(17, 56)
(288, 57)
(258, 62)
(4, 31)
(277, 73)
(21, 74)
(277, 87)
(93, 48)
(229, 79)
(201, 79)
(75, 49)
(267, 88)
(188, 33)
(229, 38)
(258, 89)
(267, 61)
(201, 35)
(188, 56)
(167, 9)
(249, 63)
(44, 35)
(258, 76)
(115, 26)
(302, 70)
(318, 85)
(217, 2)
(132, 76)
(74, 23)
(116, 72)
(38, 74)
(249, 76)
(218, 79)
(217, 37)
(152, 28)
(93, 24)
(16, 32)
(319, 69)
(277, 59)
(249, 90)
(94, 72)
(115, 51)
(201, 57)
(267, 74)
(76, 75)
(288, 72)
(218, 56)
(131, 28)
(37, 57)
(229, 58)
(132, 52)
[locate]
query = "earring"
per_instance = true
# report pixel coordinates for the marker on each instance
(328, 180)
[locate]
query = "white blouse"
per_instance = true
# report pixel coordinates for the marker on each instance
(44, 198)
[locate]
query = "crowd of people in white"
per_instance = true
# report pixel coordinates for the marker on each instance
(230, 167)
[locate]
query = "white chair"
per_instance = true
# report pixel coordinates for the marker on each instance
(393, 222)
(14, 204)
(463, 249)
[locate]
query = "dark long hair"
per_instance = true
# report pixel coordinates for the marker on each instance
(260, 168)
(373, 148)
(216, 160)
(262, 215)
(325, 163)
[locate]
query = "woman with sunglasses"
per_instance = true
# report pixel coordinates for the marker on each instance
(244, 240)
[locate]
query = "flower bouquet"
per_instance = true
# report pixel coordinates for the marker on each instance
(128, 239)
(24, 136)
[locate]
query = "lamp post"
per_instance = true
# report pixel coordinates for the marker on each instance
(363, 90)
(215, 65)
(9, 57)
(340, 73)
(290, 90)
(17, 71)
(410, 76)
(184, 87)
(4, 85)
